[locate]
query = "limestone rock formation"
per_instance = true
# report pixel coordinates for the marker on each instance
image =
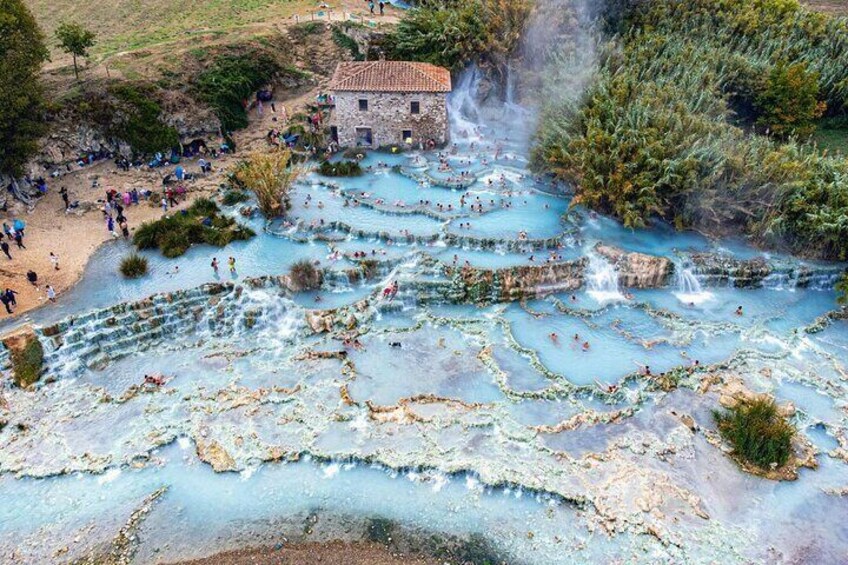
(637, 270)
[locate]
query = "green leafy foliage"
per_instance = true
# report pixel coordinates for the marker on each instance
(27, 363)
(233, 197)
(842, 290)
(340, 169)
(133, 266)
(75, 40)
(789, 102)
(22, 52)
(345, 41)
(174, 234)
(758, 434)
(657, 133)
(230, 80)
(135, 117)
(451, 33)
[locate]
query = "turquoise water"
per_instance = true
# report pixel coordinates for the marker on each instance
(446, 419)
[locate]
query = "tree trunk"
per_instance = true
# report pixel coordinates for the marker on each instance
(76, 72)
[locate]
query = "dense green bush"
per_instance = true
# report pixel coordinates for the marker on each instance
(758, 434)
(340, 169)
(233, 197)
(345, 41)
(842, 290)
(451, 33)
(174, 234)
(788, 102)
(305, 275)
(136, 119)
(665, 127)
(27, 363)
(230, 80)
(133, 266)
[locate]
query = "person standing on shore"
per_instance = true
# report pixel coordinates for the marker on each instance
(5, 247)
(215, 264)
(54, 259)
(10, 295)
(64, 193)
(5, 300)
(232, 262)
(19, 239)
(51, 294)
(32, 277)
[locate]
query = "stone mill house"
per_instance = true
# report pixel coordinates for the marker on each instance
(380, 103)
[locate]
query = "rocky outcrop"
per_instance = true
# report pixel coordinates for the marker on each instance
(515, 283)
(637, 270)
(216, 456)
(716, 269)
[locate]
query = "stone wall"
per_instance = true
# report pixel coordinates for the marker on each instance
(388, 115)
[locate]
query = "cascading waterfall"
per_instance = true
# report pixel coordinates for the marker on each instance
(463, 110)
(602, 280)
(689, 290)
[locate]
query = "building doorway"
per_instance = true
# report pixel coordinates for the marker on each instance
(363, 137)
(406, 136)
(334, 134)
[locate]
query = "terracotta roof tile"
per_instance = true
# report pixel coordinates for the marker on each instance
(390, 76)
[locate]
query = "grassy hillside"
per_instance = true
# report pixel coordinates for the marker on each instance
(136, 39)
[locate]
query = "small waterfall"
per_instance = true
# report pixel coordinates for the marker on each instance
(463, 110)
(602, 280)
(689, 290)
(512, 109)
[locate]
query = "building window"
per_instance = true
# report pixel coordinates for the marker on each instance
(406, 136)
(415, 107)
(363, 137)
(363, 105)
(334, 133)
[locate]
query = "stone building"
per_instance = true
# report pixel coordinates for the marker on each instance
(379, 103)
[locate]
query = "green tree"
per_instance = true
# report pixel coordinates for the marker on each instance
(76, 40)
(842, 291)
(789, 102)
(22, 52)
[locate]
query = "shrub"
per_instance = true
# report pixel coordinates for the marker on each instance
(842, 290)
(345, 41)
(203, 207)
(174, 234)
(232, 78)
(340, 169)
(305, 276)
(233, 197)
(270, 177)
(789, 102)
(133, 266)
(27, 362)
(135, 118)
(758, 434)
(451, 34)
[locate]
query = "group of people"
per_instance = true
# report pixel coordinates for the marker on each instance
(231, 264)
(113, 211)
(15, 233)
(372, 5)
